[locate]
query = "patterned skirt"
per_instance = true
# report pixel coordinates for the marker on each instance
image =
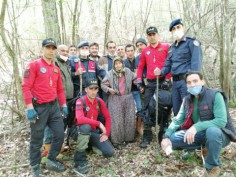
(122, 110)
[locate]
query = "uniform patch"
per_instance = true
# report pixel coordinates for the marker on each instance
(148, 52)
(196, 43)
(55, 70)
(160, 49)
(27, 73)
(43, 70)
(169, 51)
(87, 108)
(97, 107)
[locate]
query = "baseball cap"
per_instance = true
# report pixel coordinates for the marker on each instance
(48, 42)
(92, 83)
(151, 29)
(175, 22)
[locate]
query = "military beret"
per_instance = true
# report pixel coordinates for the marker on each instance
(151, 29)
(82, 44)
(141, 40)
(48, 42)
(175, 22)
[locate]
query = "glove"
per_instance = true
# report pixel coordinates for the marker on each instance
(166, 84)
(31, 114)
(65, 112)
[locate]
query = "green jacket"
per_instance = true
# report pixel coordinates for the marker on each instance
(66, 77)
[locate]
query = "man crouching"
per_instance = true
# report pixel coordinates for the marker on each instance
(203, 120)
(91, 132)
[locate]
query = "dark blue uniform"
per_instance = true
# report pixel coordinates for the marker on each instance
(182, 57)
(90, 71)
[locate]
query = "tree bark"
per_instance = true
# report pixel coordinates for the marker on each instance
(51, 21)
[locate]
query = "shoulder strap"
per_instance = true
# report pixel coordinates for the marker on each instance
(99, 104)
(84, 105)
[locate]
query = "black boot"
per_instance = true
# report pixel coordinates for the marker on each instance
(147, 138)
(81, 163)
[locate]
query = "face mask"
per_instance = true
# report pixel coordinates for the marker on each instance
(178, 34)
(195, 90)
(84, 53)
(72, 56)
(63, 58)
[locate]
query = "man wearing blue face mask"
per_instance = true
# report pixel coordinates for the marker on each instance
(203, 121)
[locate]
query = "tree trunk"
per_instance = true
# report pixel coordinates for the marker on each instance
(63, 29)
(10, 47)
(51, 21)
(107, 22)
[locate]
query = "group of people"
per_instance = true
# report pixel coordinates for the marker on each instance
(114, 94)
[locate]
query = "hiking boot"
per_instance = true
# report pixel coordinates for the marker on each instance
(147, 138)
(214, 172)
(36, 170)
(82, 168)
(55, 166)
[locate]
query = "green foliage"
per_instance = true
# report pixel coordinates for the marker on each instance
(232, 104)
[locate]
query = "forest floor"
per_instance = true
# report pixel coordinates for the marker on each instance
(130, 161)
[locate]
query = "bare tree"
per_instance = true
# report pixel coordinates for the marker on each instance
(11, 45)
(51, 21)
(62, 29)
(107, 21)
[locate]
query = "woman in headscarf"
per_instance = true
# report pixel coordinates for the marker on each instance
(120, 102)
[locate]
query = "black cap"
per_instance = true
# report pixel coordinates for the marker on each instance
(141, 40)
(92, 83)
(82, 44)
(151, 29)
(175, 22)
(48, 42)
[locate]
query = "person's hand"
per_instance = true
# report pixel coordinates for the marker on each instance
(32, 115)
(79, 71)
(165, 143)
(103, 137)
(157, 72)
(102, 128)
(65, 111)
(112, 91)
(189, 135)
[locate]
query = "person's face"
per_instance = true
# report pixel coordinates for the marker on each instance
(72, 50)
(177, 27)
(49, 52)
(140, 46)
(111, 48)
(82, 50)
(152, 38)
(118, 66)
(93, 50)
(194, 80)
(121, 51)
(63, 51)
(130, 52)
(91, 92)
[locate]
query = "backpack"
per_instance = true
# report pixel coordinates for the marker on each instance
(72, 127)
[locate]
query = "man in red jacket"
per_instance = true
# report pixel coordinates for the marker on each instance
(42, 88)
(91, 132)
(152, 57)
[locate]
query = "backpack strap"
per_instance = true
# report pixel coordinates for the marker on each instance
(84, 105)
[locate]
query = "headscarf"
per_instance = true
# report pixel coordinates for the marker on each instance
(118, 73)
